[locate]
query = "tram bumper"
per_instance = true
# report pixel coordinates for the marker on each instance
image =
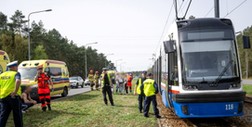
(200, 105)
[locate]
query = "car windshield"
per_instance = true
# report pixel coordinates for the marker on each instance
(73, 78)
(28, 73)
(206, 60)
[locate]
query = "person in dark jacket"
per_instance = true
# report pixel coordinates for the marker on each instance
(106, 87)
(139, 90)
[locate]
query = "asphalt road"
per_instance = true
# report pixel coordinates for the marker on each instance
(249, 81)
(73, 92)
(79, 90)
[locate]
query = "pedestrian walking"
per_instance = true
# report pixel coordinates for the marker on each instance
(91, 79)
(10, 93)
(150, 90)
(139, 90)
(44, 81)
(97, 76)
(106, 87)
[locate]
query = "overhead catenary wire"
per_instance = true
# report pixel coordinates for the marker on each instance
(163, 31)
(209, 12)
(227, 5)
(235, 8)
(180, 6)
(184, 5)
(187, 9)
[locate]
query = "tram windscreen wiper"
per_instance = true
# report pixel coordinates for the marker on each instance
(223, 71)
(203, 81)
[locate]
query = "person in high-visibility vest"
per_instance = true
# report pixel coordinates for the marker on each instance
(44, 81)
(139, 90)
(150, 90)
(91, 79)
(10, 93)
(106, 87)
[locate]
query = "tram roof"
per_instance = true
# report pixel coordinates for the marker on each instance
(206, 23)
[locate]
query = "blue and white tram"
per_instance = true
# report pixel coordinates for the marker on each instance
(198, 69)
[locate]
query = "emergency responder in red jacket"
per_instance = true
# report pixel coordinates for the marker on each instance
(129, 83)
(43, 88)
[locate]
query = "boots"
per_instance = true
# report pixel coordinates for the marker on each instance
(49, 107)
(44, 109)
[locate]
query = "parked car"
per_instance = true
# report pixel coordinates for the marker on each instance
(76, 81)
(87, 83)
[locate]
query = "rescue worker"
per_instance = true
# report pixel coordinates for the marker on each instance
(10, 93)
(139, 90)
(150, 90)
(129, 83)
(91, 79)
(106, 87)
(97, 76)
(44, 81)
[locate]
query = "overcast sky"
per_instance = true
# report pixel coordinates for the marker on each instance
(130, 29)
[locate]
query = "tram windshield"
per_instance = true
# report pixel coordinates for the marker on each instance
(210, 57)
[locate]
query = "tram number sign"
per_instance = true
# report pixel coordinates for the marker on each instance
(229, 106)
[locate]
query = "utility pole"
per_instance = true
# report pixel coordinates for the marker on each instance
(216, 9)
(29, 36)
(86, 47)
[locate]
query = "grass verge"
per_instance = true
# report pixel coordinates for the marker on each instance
(88, 110)
(248, 89)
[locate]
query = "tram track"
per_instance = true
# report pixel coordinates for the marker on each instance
(169, 118)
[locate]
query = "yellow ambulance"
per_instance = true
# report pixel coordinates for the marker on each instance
(4, 60)
(57, 70)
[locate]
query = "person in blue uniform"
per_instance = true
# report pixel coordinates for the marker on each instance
(10, 93)
(150, 89)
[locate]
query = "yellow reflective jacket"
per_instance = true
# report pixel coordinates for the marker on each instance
(139, 86)
(149, 88)
(102, 79)
(8, 84)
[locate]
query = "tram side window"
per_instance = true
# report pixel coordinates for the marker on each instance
(173, 68)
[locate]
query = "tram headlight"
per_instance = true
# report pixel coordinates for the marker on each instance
(185, 109)
(235, 85)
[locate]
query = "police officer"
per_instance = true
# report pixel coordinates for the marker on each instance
(44, 81)
(10, 92)
(106, 87)
(150, 90)
(139, 90)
